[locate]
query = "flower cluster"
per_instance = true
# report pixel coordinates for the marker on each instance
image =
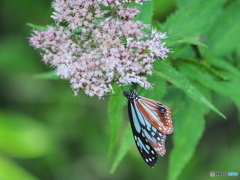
(96, 43)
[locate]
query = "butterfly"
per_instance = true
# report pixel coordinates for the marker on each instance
(151, 122)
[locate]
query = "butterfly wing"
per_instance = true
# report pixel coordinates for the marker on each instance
(158, 114)
(150, 142)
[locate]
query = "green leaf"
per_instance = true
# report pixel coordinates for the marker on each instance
(229, 88)
(224, 66)
(172, 40)
(166, 71)
(9, 170)
(146, 13)
(204, 67)
(191, 40)
(162, 9)
(47, 75)
(193, 20)
(23, 137)
(188, 128)
(37, 27)
(115, 108)
(224, 34)
(184, 3)
(126, 144)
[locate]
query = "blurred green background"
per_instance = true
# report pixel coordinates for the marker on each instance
(47, 133)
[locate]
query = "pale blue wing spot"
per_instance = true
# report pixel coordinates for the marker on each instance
(148, 123)
(149, 137)
(141, 145)
(142, 118)
(154, 129)
(148, 147)
(135, 120)
(139, 115)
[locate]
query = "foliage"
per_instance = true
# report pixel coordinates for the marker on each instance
(46, 133)
(192, 66)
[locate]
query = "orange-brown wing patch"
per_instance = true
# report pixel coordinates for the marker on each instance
(158, 114)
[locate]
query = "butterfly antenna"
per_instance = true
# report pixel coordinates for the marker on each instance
(109, 95)
(129, 88)
(141, 90)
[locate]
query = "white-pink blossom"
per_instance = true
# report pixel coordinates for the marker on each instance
(107, 49)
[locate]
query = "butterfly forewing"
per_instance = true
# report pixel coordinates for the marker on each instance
(147, 152)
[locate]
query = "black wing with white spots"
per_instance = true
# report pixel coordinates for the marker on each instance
(149, 155)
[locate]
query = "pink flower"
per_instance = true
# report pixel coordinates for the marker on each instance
(107, 50)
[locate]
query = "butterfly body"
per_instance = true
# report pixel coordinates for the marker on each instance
(150, 122)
